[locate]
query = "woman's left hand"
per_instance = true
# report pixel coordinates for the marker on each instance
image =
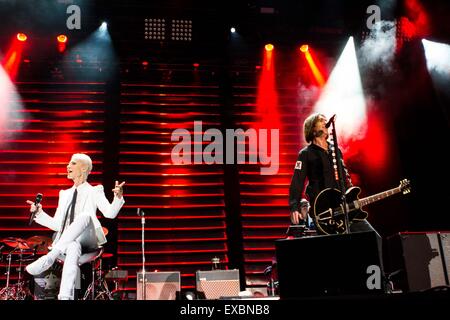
(118, 189)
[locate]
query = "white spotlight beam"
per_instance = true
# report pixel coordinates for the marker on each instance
(343, 95)
(437, 56)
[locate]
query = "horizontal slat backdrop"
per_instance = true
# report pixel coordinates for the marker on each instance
(264, 198)
(56, 120)
(183, 204)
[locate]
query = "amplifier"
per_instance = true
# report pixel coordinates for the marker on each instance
(419, 260)
(215, 284)
(328, 265)
(158, 285)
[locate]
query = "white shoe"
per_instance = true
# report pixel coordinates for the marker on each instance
(40, 265)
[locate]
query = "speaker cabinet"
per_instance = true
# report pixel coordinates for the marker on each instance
(329, 265)
(419, 260)
(158, 285)
(218, 283)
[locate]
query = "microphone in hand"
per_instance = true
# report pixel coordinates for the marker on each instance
(36, 202)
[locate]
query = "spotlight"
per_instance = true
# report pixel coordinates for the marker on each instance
(233, 30)
(304, 48)
(268, 47)
(189, 295)
(181, 30)
(196, 65)
(155, 29)
(61, 38)
(103, 26)
(22, 37)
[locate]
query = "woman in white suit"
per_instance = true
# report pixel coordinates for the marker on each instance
(75, 222)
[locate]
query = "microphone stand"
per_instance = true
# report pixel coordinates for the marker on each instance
(340, 174)
(142, 215)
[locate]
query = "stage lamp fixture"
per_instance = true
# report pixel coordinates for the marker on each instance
(22, 37)
(269, 47)
(181, 30)
(61, 38)
(233, 30)
(304, 48)
(155, 29)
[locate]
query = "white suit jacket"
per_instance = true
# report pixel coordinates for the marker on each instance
(89, 199)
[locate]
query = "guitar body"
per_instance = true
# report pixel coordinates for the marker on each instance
(329, 214)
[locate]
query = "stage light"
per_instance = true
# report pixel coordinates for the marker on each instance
(196, 65)
(145, 63)
(181, 30)
(304, 48)
(22, 37)
(189, 295)
(437, 57)
(233, 30)
(155, 29)
(61, 38)
(268, 47)
(104, 26)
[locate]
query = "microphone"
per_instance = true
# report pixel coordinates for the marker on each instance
(330, 121)
(36, 202)
(140, 212)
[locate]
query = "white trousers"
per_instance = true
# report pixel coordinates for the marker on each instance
(79, 235)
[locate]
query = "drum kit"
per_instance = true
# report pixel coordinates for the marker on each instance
(20, 252)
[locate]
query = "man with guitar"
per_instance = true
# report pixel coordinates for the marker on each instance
(315, 164)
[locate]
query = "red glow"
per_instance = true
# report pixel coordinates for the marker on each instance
(22, 37)
(145, 63)
(376, 138)
(196, 65)
(416, 23)
(373, 159)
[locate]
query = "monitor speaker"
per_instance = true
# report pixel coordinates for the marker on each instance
(347, 264)
(217, 284)
(419, 260)
(158, 285)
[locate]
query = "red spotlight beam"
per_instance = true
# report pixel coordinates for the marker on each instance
(13, 57)
(314, 69)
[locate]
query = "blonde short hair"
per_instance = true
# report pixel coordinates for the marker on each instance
(86, 159)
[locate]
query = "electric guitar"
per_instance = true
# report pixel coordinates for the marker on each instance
(329, 212)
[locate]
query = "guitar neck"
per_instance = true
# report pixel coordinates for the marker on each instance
(379, 196)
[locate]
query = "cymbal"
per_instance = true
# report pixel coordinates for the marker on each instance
(40, 243)
(16, 243)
